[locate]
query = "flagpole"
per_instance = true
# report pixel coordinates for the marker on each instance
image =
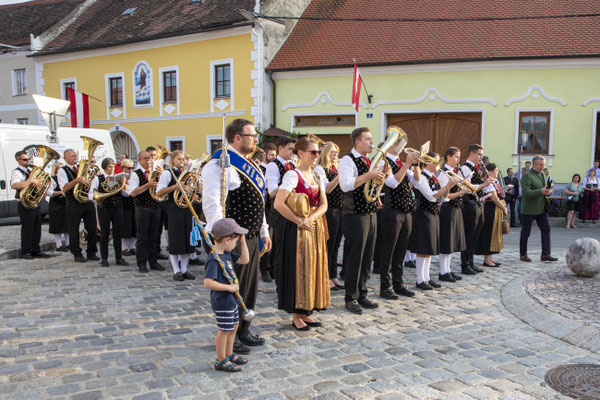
(369, 96)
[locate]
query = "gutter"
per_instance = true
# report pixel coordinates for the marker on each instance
(273, 100)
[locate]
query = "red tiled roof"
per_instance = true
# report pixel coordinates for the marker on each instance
(102, 25)
(19, 20)
(325, 44)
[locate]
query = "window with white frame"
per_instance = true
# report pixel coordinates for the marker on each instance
(65, 86)
(22, 121)
(19, 83)
(116, 91)
(222, 81)
(534, 132)
(176, 143)
(169, 86)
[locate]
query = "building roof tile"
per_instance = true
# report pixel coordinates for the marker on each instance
(430, 31)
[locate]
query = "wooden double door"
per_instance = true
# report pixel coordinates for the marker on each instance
(442, 130)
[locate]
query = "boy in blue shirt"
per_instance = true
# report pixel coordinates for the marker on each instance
(226, 233)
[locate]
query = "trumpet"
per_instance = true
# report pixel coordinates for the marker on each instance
(463, 183)
(423, 157)
(395, 137)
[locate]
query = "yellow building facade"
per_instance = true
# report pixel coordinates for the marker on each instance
(171, 92)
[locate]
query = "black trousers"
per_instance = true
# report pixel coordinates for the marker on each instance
(473, 221)
(108, 217)
(248, 282)
(360, 233)
(334, 225)
(75, 213)
(393, 233)
(542, 222)
(31, 229)
(147, 221)
(277, 222)
(265, 260)
(513, 217)
(164, 223)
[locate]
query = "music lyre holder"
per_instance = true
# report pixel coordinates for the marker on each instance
(53, 112)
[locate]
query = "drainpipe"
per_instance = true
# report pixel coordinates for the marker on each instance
(273, 101)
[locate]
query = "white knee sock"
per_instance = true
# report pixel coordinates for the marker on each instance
(58, 239)
(420, 266)
(66, 238)
(132, 243)
(426, 266)
(174, 263)
(407, 256)
(166, 237)
(413, 256)
(185, 258)
(448, 263)
(193, 256)
(124, 244)
(444, 263)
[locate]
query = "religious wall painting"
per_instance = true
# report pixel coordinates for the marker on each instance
(142, 88)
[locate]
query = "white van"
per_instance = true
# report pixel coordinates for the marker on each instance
(14, 138)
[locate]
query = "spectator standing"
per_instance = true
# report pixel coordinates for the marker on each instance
(589, 208)
(573, 191)
(596, 167)
(119, 166)
(512, 194)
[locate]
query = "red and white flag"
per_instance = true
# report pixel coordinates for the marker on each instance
(356, 85)
(80, 109)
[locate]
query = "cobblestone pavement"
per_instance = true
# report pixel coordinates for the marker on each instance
(561, 291)
(78, 331)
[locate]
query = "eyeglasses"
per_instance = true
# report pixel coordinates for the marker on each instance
(249, 135)
(315, 152)
(127, 167)
(24, 159)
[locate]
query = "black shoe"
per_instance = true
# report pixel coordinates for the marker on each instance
(410, 264)
(304, 328)
(467, 271)
(447, 277)
(525, 258)
(490, 265)
(80, 258)
(240, 348)
(434, 284)
(424, 286)
(122, 262)
(265, 276)
(252, 340)
(157, 267)
(196, 261)
(178, 277)
(366, 303)
(41, 254)
(26, 256)
(93, 257)
(476, 269)
(125, 253)
(542, 258)
(334, 288)
(376, 271)
(313, 324)
(132, 252)
(456, 276)
(62, 248)
(188, 275)
(388, 294)
(162, 256)
(354, 307)
(404, 291)
(143, 269)
(104, 263)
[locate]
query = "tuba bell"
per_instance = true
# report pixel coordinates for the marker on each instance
(86, 169)
(192, 179)
(110, 186)
(32, 195)
(154, 176)
(396, 137)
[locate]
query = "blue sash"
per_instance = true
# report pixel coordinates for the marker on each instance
(245, 167)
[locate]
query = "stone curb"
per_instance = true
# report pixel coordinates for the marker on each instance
(519, 303)
(16, 253)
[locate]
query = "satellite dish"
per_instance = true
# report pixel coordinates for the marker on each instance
(53, 111)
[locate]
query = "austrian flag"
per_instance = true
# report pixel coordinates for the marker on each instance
(356, 85)
(80, 109)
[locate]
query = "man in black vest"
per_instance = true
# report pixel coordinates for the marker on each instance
(266, 267)
(31, 219)
(244, 202)
(512, 194)
(394, 225)
(359, 221)
(274, 175)
(472, 209)
(164, 218)
(147, 215)
(67, 179)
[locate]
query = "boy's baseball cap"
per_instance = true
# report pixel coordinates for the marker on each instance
(227, 226)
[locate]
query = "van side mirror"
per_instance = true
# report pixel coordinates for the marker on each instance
(2, 184)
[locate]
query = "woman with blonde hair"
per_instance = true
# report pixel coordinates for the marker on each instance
(327, 168)
(57, 224)
(302, 276)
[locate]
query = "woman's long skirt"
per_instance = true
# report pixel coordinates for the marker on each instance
(425, 237)
(589, 206)
(57, 217)
(452, 229)
(303, 277)
(491, 240)
(180, 227)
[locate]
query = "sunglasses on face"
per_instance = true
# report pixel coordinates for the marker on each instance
(24, 159)
(315, 152)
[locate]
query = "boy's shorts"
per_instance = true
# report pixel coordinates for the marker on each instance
(227, 319)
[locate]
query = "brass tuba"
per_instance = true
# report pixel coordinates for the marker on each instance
(111, 186)
(86, 170)
(155, 175)
(32, 195)
(396, 137)
(192, 179)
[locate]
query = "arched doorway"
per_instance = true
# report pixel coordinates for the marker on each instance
(124, 142)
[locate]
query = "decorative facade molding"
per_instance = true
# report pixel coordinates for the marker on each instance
(323, 101)
(535, 96)
(591, 100)
(169, 117)
(431, 94)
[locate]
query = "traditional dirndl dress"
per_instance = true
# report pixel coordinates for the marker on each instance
(426, 221)
(57, 216)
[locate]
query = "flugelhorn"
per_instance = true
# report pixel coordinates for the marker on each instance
(317, 139)
(395, 137)
(423, 157)
(463, 183)
(86, 169)
(32, 195)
